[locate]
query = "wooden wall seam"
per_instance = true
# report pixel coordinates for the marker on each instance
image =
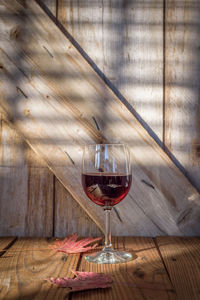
(54, 205)
(164, 62)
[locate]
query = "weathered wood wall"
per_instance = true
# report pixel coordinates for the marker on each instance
(126, 41)
(26, 188)
(32, 201)
(182, 85)
(149, 50)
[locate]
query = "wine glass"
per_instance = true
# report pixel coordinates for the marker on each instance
(106, 180)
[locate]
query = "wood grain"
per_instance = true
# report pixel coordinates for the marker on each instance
(70, 217)
(54, 111)
(51, 5)
(26, 188)
(36, 193)
(182, 104)
(37, 217)
(181, 257)
(13, 184)
(143, 278)
(24, 274)
(125, 40)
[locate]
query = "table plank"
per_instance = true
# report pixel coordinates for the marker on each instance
(5, 242)
(23, 273)
(146, 271)
(182, 259)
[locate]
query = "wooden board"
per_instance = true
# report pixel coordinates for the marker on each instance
(70, 217)
(128, 43)
(5, 243)
(39, 217)
(35, 192)
(55, 112)
(26, 188)
(125, 40)
(119, 42)
(25, 275)
(13, 184)
(37, 195)
(146, 271)
(181, 257)
(182, 104)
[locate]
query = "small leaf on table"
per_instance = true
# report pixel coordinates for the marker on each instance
(84, 281)
(71, 245)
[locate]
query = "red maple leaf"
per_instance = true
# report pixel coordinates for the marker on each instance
(71, 245)
(84, 281)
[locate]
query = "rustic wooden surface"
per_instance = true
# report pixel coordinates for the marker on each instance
(36, 203)
(181, 257)
(125, 40)
(70, 217)
(182, 105)
(30, 193)
(161, 200)
(23, 272)
(26, 188)
(114, 35)
(146, 271)
(150, 53)
(165, 268)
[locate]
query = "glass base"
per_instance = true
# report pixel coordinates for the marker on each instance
(109, 257)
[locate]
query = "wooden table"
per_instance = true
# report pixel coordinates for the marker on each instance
(164, 268)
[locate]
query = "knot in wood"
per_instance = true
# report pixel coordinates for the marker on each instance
(139, 273)
(64, 258)
(198, 151)
(15, 32)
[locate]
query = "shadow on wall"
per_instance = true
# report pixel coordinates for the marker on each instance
(148, 55)
(131, 62)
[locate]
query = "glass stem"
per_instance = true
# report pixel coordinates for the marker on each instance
(108, 244)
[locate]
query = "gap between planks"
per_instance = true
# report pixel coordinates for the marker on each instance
(163, 261)
(6, 243)
(181, 257)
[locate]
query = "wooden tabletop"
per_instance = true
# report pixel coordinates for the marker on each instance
(163, 268)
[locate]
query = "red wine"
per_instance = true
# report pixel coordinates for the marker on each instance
(106, 189)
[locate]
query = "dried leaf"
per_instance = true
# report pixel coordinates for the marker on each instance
(84, 281)
(71, 245)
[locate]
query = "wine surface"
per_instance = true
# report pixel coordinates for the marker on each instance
(106, 189)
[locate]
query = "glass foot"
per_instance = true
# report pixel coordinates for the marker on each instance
(109, 257)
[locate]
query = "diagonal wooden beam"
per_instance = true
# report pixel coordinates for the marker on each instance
(55, 99)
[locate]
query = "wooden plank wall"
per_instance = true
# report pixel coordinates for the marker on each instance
(149, 50)
(158, 75)
(125, 40)
(182, 86)
(26, 189)
(32, 201)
